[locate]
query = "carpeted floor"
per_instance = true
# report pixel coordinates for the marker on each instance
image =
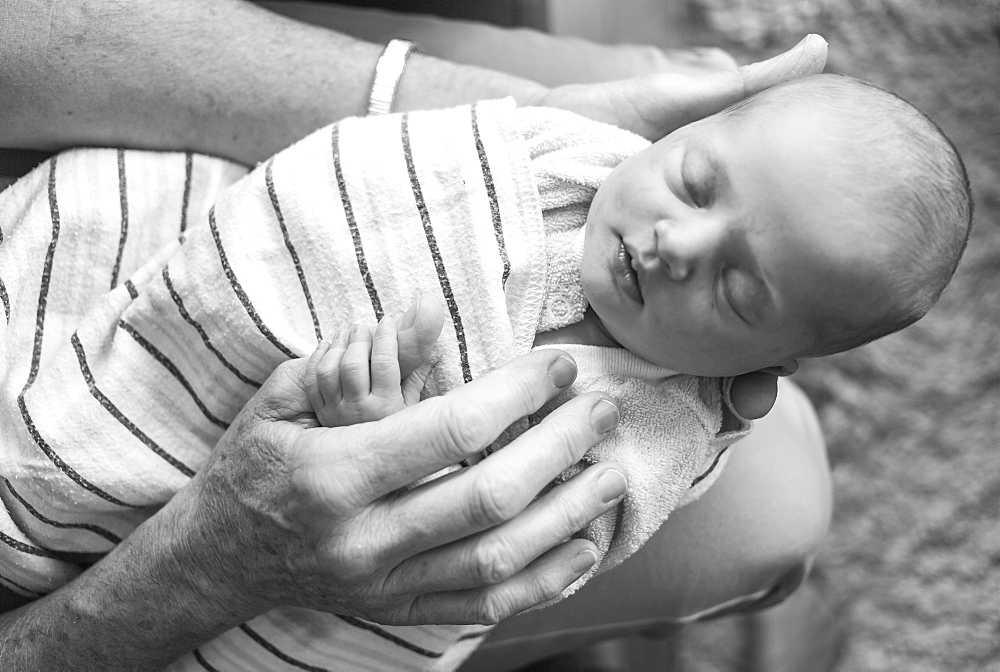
(912, 567)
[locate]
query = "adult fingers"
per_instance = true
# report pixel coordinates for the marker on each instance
(498, 553)
(708, 95)
(808, 57)
(538, 583)
(501, 486)
(446, 430)
(418, 331)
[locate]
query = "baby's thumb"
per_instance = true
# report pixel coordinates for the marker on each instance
(418, 330)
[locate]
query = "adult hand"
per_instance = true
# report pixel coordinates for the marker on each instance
(325, 518)
(655, 105)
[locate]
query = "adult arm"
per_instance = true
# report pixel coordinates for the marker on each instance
(540, 56)
(222, 77)
(231, 79)
(287, 512)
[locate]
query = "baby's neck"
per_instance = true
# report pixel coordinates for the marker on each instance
(587, 331)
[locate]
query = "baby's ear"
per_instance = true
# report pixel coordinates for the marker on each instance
(785, 368)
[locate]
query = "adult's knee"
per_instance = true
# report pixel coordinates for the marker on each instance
(799, 468)
(780, 478)
(762, 523)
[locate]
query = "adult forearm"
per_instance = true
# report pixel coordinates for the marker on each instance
(221, 77)
(152, 599)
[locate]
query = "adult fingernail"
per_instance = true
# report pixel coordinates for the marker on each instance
(611, 486)
(583, 561)
(604, 416)
(562, 372)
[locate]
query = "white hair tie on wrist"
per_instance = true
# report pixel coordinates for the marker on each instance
(388, 70)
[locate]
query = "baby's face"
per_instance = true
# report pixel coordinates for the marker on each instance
(717, 250)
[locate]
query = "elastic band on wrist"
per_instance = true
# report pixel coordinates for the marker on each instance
(388, 71)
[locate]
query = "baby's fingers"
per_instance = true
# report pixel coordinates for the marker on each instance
(313, 391)
(324, 368)
(355, 378)
(385, 377)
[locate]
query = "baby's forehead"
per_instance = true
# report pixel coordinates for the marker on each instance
(837, 153)
(811, 95)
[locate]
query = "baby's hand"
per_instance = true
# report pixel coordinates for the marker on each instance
(361, 377)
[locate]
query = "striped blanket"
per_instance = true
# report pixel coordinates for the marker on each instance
(147, 295)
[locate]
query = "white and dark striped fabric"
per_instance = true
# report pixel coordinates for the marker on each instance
(145, 300)
(146, 296)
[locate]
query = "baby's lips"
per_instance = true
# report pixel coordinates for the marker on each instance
(626, 272)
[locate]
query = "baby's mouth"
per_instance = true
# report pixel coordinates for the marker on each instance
(626, 275)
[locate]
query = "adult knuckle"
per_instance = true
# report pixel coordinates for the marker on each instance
(287, 368)
(493, 499)
(352, 566)
(418, 612)
(543, 588)
(313, 484)
(384, 361)
(340, 486)
(527, 390)
(488, 608)
(361, 480)
(571, 510)
(463, 430)
(491, 562)
(350, 570)
(562, 431)
(351, 366)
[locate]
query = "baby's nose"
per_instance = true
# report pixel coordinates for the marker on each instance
(683, 248)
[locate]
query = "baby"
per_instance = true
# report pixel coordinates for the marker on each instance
(811, 219)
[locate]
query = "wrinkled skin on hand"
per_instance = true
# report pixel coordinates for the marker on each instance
(323, 518)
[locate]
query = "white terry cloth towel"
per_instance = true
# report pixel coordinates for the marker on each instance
(669, 441)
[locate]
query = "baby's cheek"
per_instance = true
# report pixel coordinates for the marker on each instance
(588, 282)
